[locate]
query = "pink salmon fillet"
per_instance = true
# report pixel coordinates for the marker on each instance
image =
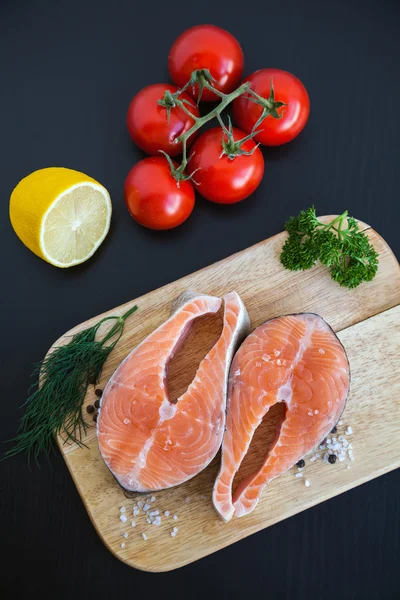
(295, 359)
(149, 443)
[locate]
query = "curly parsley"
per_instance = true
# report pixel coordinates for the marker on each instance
(345, 249)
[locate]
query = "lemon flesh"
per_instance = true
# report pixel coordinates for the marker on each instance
(61, 215)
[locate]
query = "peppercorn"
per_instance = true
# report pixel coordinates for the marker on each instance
(97, 403)
(301, 463)
(332, 458)
(98, 393)
(334, 430)
(92, 380)
(95, 418)
(90, 408)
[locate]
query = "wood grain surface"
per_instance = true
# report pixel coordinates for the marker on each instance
(369, 325)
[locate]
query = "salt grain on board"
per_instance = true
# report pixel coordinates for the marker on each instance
(123, 518)
(122, 509)
(307, 483)
(166, 513)
(298, 474)
(122, 545)
(146, 507)
(126, 534)
(144, 536)
(136, 511)
(133, 524)
(153, 499)
(175, 517)
(187, 500)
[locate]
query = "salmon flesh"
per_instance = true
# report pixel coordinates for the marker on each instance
(295, 359)
(148, 442)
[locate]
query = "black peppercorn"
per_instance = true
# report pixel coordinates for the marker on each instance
(332, 459)
(95, 418)
(92, 380)
(90, 408)
(334, 430)
(301, 464)
(98, 392)
(97, 403)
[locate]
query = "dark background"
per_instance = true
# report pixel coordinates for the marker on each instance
(68, 72)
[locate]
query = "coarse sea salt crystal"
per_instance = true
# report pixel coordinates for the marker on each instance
(172, 534)
(187, 500)
(133, 524)
(136, 511)
(349, 430)
(146, 507)
(126, 534)
(175, 517)
(126, 421)
(166, 513)
(157, 521)
(153, 498)
(122, 509)
(313, 459)
(144, 536)
(321, 351)
(123, 518)
(279, 362)
(310, 413)
(154, 513)
(122, 545)
(340, 423)
(276, 352)
(140, 504)
(148, 520)
(298, 474)
(316, 411)
(307, 483)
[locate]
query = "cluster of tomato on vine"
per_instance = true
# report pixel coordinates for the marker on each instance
(224, 164)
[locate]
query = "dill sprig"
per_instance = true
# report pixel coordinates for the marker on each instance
(346, 250)
(55, 406)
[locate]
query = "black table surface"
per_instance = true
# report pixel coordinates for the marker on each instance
(68, 72)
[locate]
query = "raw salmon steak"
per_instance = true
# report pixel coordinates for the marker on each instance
(298, 360)
(149, 443)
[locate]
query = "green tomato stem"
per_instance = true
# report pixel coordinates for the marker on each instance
(226, 99)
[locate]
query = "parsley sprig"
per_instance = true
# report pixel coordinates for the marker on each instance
(340, 245)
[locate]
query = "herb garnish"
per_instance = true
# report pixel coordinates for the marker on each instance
(346, 250)
(55, 407)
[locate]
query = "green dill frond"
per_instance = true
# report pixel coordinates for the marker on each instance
(54, 407)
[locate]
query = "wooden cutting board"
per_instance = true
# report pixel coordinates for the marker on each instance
(368, 322)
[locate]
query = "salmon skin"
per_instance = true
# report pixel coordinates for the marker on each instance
(295, 359)
(149, 443)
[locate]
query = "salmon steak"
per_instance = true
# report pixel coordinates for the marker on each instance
(148, 442)
(295, 359)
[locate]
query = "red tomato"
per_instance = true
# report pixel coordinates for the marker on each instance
(148, 125)
(153, 197)
(207, 47)
(220, 178)
(288, 89)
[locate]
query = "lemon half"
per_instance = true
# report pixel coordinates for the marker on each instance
(61, 215)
